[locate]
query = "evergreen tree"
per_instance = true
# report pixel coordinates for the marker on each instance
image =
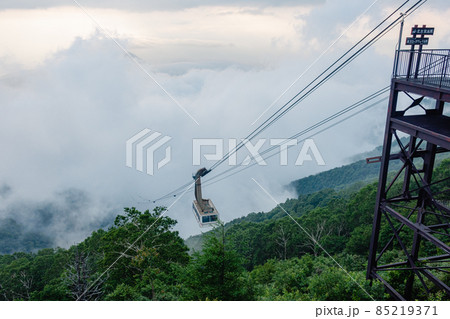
(217, 272)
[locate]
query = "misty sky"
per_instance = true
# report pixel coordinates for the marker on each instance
(70, 98)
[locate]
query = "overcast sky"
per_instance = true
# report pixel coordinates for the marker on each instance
(70, 97)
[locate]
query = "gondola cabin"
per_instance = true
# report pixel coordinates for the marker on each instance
(205, 217)
(204, 210)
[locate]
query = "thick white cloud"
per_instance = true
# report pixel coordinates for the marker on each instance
(65, 124)
(71, 98)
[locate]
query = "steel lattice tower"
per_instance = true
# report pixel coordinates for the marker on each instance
(412, 211)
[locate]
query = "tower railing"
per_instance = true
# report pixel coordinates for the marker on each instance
(427, 67)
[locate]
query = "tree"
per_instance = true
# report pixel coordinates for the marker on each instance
(16, 278)
(79, 278)
(142, 249)
(282, 279)
(282, 241)
(334, 284)
(358, 243)
(124, 293)
(316, 234)
(216, 273)
(47, 267)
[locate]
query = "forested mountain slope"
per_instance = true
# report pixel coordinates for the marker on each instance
(265, 256)
(351, 176)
